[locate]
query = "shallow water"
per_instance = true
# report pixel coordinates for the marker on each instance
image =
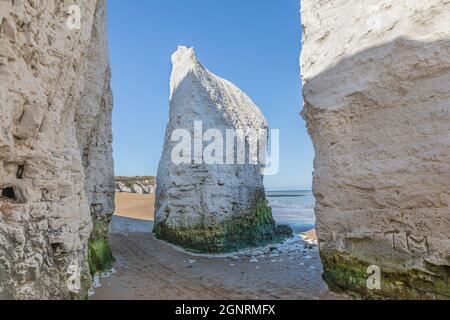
(295, 208)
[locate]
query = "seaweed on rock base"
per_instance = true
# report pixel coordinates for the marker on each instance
(348, 275)
(100, 257)
(232, 235)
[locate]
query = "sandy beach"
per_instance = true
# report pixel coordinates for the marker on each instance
(136, 206)
(150, 269)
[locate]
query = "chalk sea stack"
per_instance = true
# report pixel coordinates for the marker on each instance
(210, 207)
(377, 103)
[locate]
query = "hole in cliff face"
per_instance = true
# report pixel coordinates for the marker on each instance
(8, 193)
(20, 170)
(57, 248)
(12, 194)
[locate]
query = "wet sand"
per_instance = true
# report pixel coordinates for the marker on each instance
(311, 234)
(150, 269)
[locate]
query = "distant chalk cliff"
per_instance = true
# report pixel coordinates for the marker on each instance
(140, 185)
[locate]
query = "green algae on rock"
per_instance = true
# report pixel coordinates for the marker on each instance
(232, 235)
(349, 275)
(100, 257)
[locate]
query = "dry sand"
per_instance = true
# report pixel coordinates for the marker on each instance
(136, 206)
(149, 269)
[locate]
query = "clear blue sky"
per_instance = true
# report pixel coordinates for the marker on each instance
(253, 43)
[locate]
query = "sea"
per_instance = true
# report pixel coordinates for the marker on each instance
(293, 207)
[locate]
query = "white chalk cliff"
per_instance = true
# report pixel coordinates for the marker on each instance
(56, 167)
(210, 207)
(376, 80)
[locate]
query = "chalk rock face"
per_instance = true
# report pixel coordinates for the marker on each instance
(201, 206)
(377, 104)
(56, 167)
